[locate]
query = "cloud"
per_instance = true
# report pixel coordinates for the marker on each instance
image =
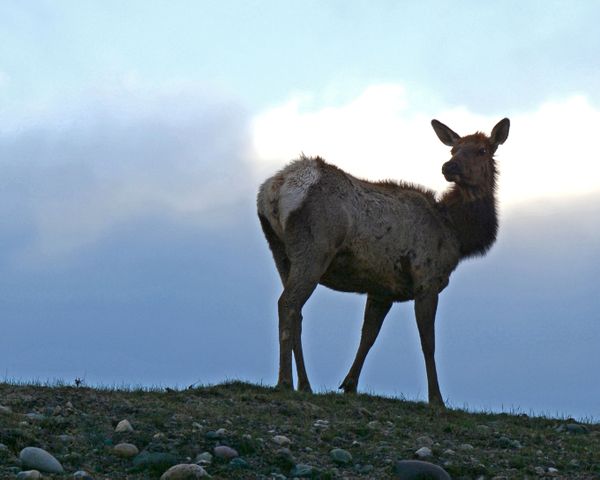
(75, 171)
(382, 133)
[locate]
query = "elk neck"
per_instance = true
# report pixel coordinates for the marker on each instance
(472, 215)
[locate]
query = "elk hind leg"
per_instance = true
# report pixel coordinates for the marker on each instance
(301, 282)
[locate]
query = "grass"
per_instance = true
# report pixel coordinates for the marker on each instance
(377, 431)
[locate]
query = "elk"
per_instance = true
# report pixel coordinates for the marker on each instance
(394, 241)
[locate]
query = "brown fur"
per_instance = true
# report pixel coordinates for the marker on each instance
(391, 240)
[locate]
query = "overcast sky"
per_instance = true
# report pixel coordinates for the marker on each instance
(133, 137)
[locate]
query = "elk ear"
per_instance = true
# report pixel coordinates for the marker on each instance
(445, 134)
(500, 132)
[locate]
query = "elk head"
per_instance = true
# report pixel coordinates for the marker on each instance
(472, 164)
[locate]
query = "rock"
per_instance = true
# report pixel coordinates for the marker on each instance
(277, 476)
(552, 471)
(66, 438)
(466, 447)
(416, 469)
(340, 456)
(576, 428)
(126, 450)
(218, 435)
(223, 451)
(204, 458)
(35, 417)
(424, 452)
(239, 463)
(154, 461)
(484, 429)
(364, 469)
(5, 410)
(374, 425)
(424, 441)
(184, 471)
(302, 471)
(82, 474)
(285, 459)
(40, 459)
(282, 440)
(505, 442)
(123, 427)
(29, 475)
(322, 424)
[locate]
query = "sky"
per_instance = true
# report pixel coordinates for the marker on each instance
(134, 136)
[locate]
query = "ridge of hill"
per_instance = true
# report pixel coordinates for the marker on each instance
(279, 434)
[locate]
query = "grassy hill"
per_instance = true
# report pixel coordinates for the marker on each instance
(281, 434)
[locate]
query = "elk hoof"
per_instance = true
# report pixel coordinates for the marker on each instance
(304, 387)
(348, 386)
(284, 386)
(437, 403)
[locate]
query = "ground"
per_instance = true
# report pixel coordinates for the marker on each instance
(279, 434)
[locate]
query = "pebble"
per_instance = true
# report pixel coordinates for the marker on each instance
(302, 471)
(364, 469)
(484, 429)
(82, 474)
(36, 417)
(424, 452)
(154, 460)
(505, 442)
(340, 456)
(212, 435)
(40, 459)
(415, 469)
(576, 428)
(466, 446)
(424, 441)
(126, 450)
(204, 458)
(321, 424)
(223, 451)
(184, 471)
(282, 440)
(29, 475)
(124, 426)
(239, 463)
(285, 458)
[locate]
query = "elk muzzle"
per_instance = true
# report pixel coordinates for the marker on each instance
(451, 171)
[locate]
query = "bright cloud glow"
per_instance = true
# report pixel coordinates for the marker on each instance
(381, 135)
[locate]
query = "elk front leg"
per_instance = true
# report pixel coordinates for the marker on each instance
(375, 312)
(425, 309)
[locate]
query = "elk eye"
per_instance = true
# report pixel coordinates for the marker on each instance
(482, 151)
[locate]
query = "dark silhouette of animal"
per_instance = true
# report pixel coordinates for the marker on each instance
(393, 241)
